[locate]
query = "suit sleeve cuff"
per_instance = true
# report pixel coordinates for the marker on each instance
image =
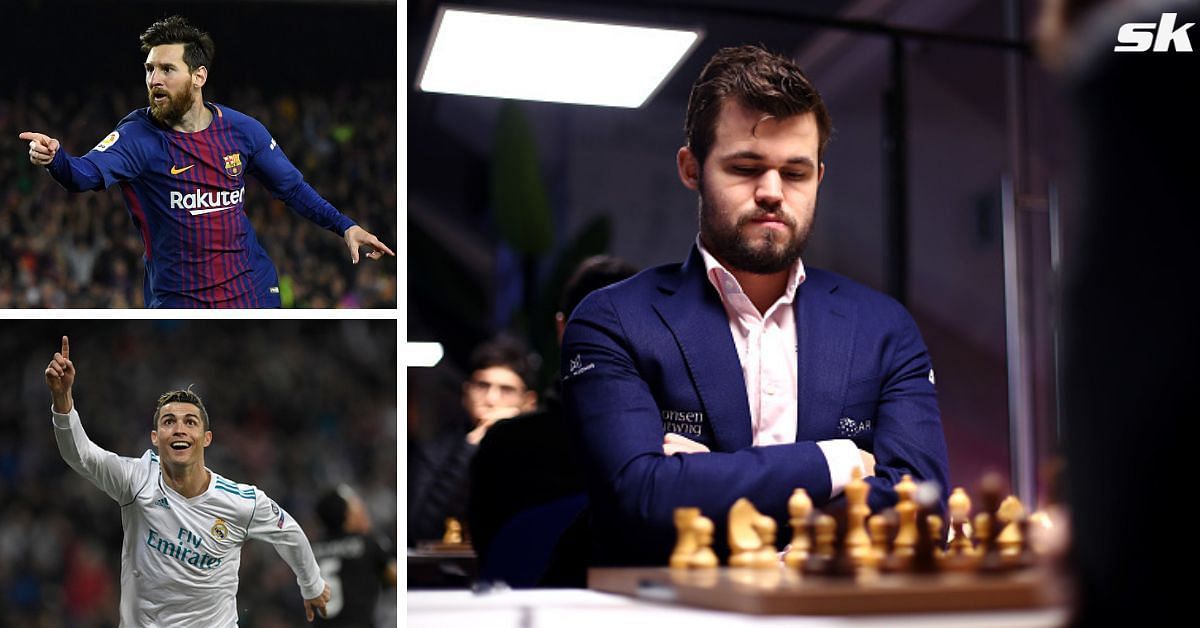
(843, 458)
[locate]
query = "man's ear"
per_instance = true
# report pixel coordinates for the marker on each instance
(529, 402)
(820, 173)
(154, 438)
(689, 168)
(207, 438)
(200, 76)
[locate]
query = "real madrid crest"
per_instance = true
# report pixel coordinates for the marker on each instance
(219, 530)
(233, 164)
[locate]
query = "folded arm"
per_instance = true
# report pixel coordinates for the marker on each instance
(618, 420)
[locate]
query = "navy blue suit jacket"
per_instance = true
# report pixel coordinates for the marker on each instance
(654, 354)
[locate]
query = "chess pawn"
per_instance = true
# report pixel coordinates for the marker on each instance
(820, 561)
(766, 556)
(685, 537)
(857, 541)
(744, 540)
(983, 531)
(906, 509)
(937, 529)
(936, 534)
(991, 488)
(702, 534)
(1026, 557)
(799, 509)
(1010, 539)
(960, 511)
(929, 534)
(879, 527)
(453, 534)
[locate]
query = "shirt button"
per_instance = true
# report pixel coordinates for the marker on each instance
(770, 390)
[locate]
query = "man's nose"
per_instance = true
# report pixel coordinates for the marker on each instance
(769, 191)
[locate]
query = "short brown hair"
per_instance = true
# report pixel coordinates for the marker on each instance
(182, 396)
(760, 80)
(198, 47)
(506, 352)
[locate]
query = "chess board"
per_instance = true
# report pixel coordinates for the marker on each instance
(783, 591)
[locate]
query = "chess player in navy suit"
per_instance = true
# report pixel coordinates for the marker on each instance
(742, 372)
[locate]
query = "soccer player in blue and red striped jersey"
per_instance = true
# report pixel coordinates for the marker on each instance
(181, 164)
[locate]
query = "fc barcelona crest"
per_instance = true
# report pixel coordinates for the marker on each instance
(233, 164)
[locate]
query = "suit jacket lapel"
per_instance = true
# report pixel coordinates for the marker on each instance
(825, 340)
(693, 312)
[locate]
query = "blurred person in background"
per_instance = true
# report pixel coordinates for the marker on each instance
(353, 561)
(501, 386)
(531, 459)
(1129, 326)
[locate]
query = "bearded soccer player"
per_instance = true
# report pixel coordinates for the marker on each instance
(184, 524)
(181, 164)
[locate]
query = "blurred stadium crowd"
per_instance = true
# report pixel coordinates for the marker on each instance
(81, 250)
(297, 407)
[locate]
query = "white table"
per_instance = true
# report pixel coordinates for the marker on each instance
(582, 608)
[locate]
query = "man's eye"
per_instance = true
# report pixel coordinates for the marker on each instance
(745, 170)
(796, 176)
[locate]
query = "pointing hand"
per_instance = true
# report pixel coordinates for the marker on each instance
(42, 148)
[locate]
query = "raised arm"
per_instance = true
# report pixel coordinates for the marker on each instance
(109, 472)
(275, 526)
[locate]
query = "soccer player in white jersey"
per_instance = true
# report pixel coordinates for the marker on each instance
(184, 524)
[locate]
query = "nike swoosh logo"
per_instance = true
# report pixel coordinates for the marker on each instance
(175, 170)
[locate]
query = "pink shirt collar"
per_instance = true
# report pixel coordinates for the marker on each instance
(727, 285)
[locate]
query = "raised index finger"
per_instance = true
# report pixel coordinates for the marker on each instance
(30, 135)
(66, 349)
